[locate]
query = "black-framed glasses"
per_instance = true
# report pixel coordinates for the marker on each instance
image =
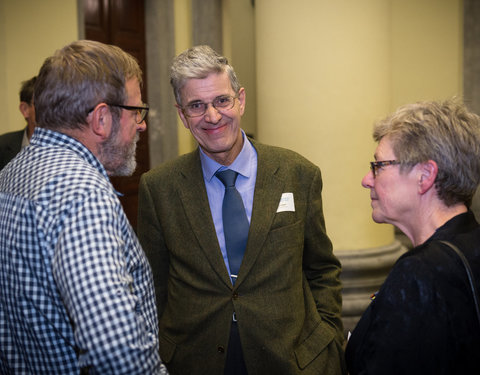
(376, 165)
(198, 108)
(141, 114)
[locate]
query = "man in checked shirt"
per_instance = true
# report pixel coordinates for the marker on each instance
(76, 291)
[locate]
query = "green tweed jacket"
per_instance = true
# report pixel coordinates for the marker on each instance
(287, 297)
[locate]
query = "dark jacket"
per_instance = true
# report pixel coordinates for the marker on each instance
(423, 319)
(10, 145)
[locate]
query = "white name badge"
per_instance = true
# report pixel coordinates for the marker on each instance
(286, 203)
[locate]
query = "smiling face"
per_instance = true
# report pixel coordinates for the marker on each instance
(393, 193)
(217, 132)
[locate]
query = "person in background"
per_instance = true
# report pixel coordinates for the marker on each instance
(423, 319)
(77, 290)
(11, 143)
(245, 276)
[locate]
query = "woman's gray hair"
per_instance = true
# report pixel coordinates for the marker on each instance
(198, 62)
(77, 78)
(445, 132)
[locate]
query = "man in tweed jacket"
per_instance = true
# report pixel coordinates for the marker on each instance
(281, 313)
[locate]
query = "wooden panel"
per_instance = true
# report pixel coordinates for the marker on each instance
(122, 23)
(96, 20)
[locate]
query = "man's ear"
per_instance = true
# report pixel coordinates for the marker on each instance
(242, 99)
(24, 109)
(182, 116)
(427, 174)
(101, 121)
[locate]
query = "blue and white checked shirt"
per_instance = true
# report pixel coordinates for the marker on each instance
(76, 289)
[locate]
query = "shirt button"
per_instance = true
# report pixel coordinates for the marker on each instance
(221, 349)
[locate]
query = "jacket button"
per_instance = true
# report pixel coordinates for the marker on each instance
(221, 349)
(235, 295)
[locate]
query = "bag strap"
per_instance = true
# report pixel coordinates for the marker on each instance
(471, 279)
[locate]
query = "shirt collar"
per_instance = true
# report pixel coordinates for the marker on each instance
(49, 138)
(240, 164)
(25, 141)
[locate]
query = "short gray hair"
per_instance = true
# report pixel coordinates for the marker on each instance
(77, 78)
(445, 132)
(198, 62)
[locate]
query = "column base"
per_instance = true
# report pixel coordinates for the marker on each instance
(363, 272)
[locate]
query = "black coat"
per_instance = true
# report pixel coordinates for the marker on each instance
(10, 145)
(423, 319)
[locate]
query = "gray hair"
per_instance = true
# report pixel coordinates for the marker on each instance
(77, 78)
(445, 132)
(198, 62)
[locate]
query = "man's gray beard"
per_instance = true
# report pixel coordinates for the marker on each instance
(119, 160)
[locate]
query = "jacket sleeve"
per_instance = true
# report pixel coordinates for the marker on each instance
(321, 267)
(151, 238)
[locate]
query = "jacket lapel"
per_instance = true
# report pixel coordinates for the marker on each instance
(193, 194)
(268, 190)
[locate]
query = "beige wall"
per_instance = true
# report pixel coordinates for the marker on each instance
(320, 88)
(30, 31)
(326, 70)
(427, 50)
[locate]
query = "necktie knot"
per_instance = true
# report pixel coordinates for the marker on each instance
(228, 177)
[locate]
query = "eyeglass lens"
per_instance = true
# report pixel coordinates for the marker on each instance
(141, 114)
(376, 165)
(199, 108)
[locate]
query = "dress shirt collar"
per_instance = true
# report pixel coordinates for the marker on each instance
(241, 164)
(48, 138)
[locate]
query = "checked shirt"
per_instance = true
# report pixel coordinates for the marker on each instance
(76, 289)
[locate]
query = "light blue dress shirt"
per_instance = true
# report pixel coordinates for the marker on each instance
(246, 166)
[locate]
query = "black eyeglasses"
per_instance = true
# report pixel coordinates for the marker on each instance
(198, 108)
(141, 114)
(376, 165)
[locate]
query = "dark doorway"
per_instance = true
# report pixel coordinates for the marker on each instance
(122, 23)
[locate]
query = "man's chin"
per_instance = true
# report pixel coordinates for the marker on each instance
(122, 160)
(124, 170)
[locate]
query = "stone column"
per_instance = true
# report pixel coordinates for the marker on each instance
(324, 75)
(160, 50)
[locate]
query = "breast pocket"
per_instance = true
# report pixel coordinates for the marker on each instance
(291, 233)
